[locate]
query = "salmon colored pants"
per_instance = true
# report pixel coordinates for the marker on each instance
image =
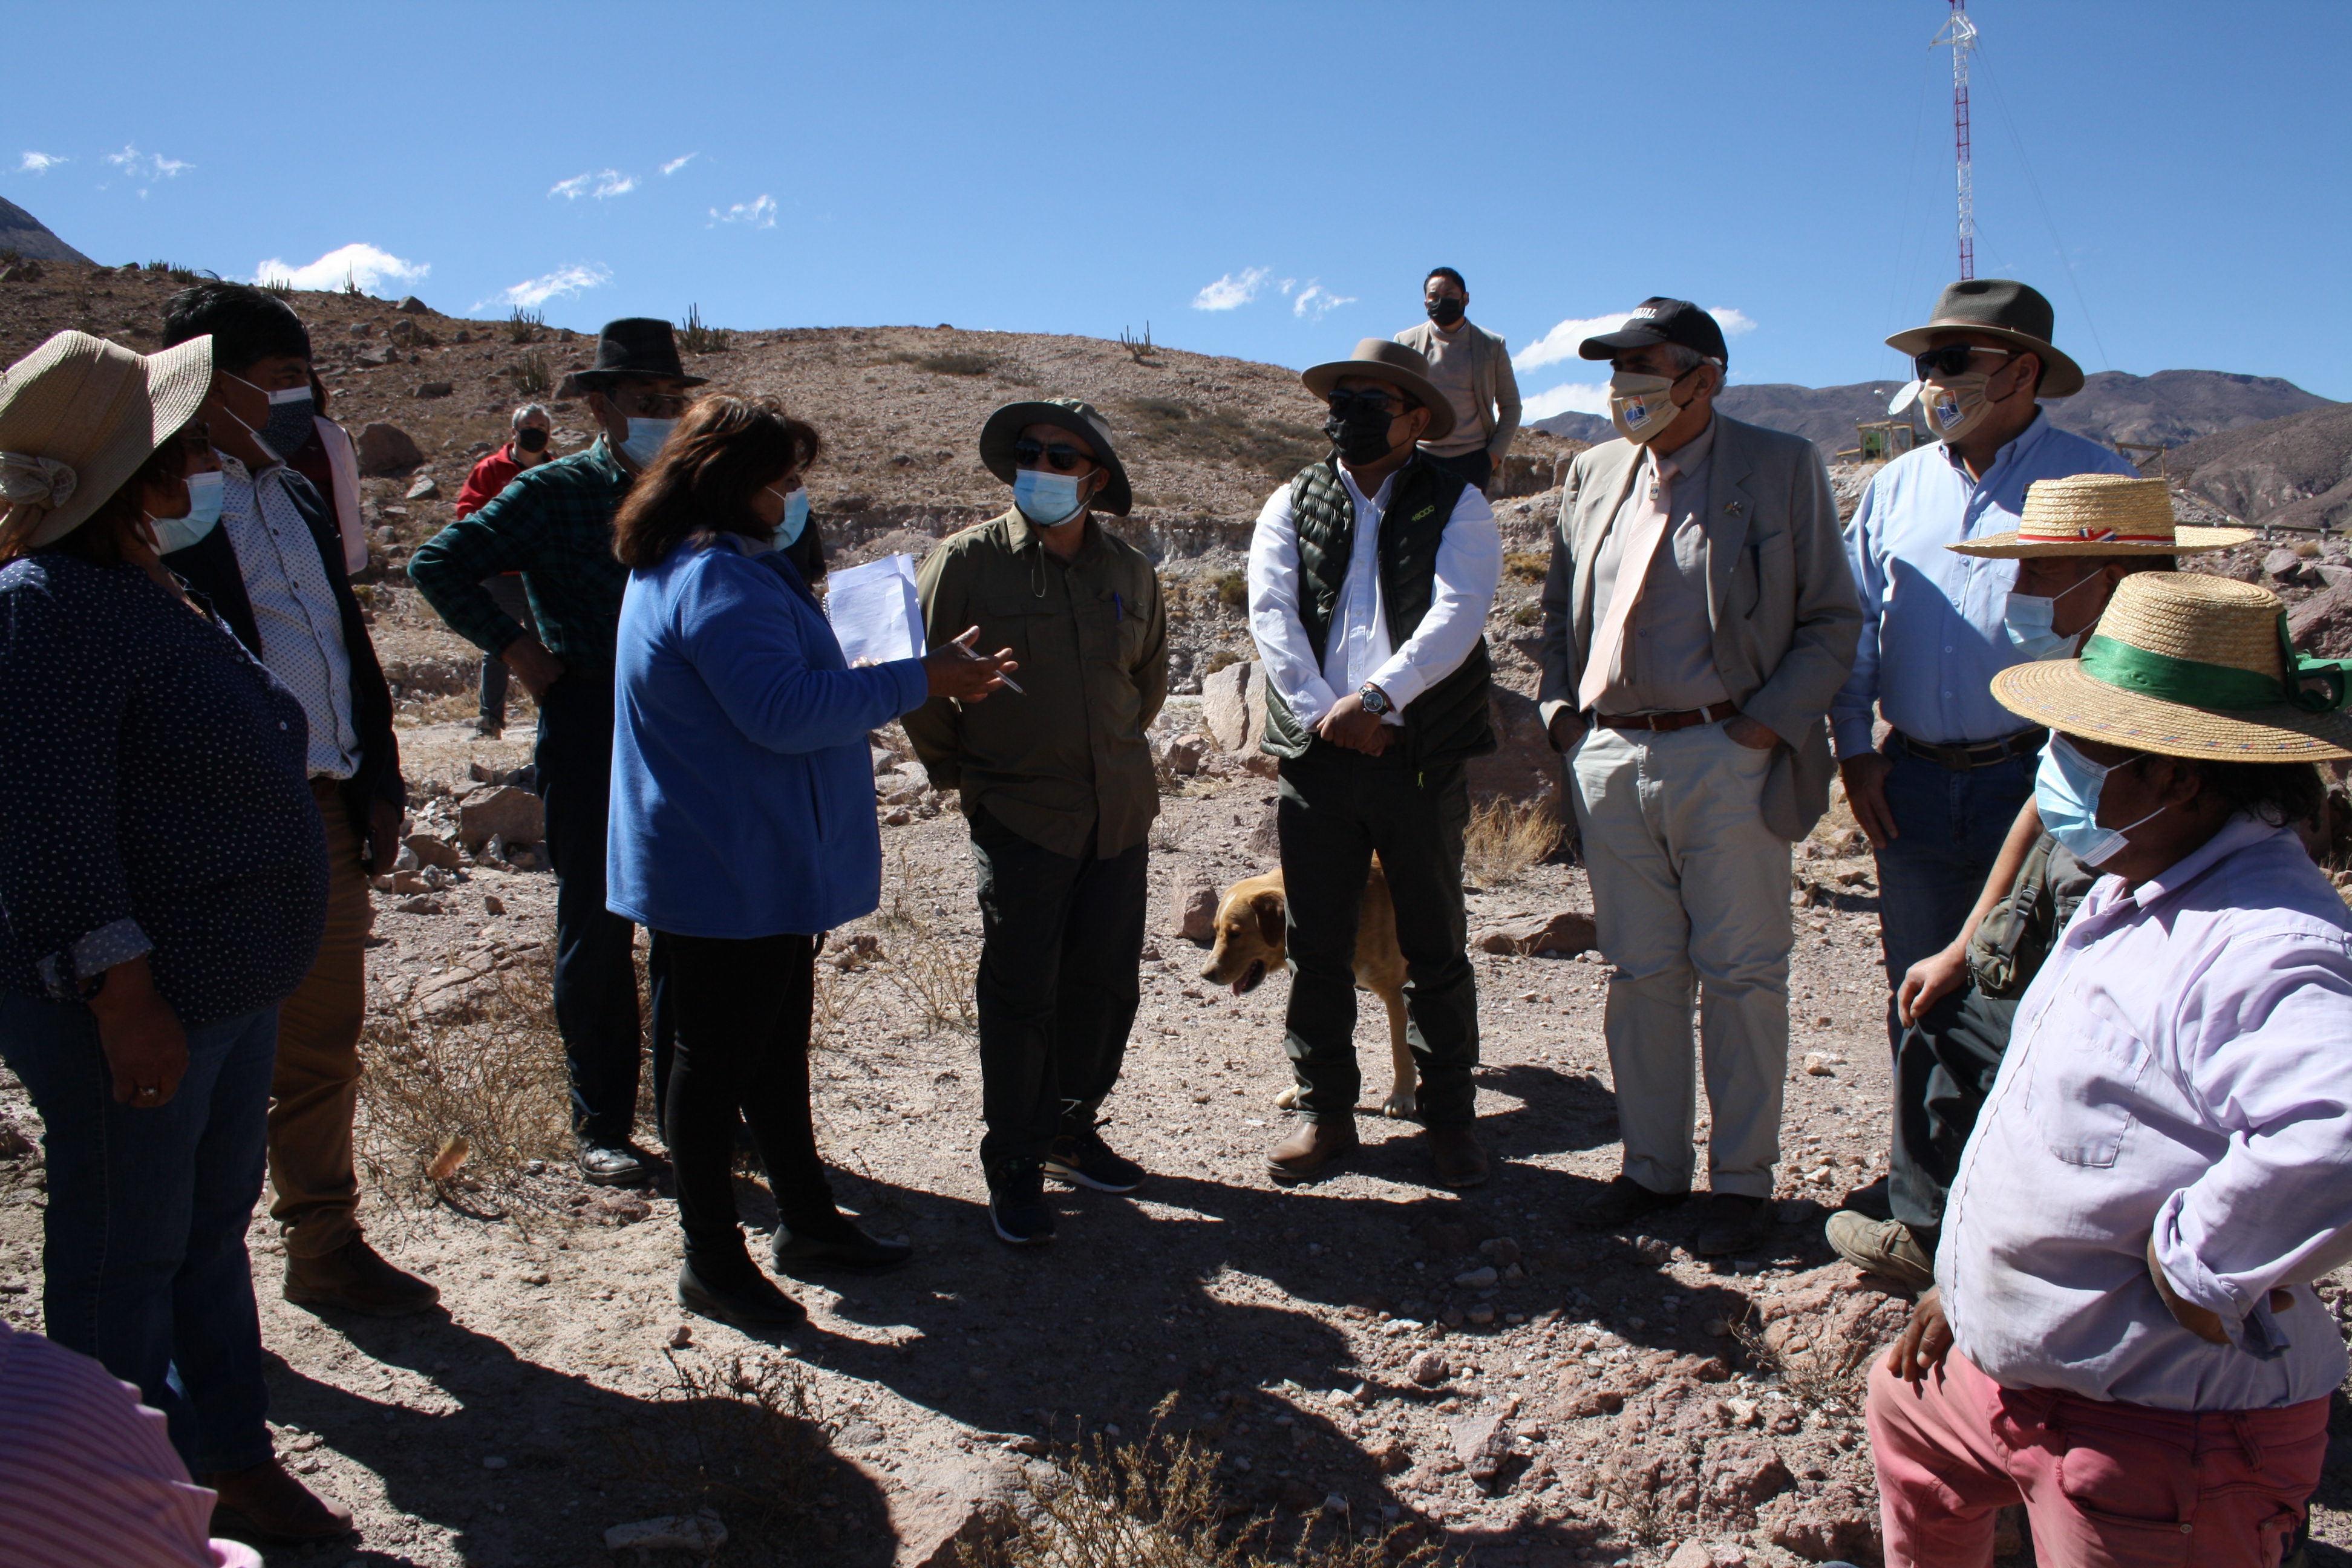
(2105, 1485)
(316, 1088)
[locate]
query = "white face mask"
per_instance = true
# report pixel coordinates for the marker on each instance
(1642, 406)
(2031, 621)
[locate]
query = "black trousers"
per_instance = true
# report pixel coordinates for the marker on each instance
(595, 968)
(1477, 467)
(1943, 1068)
(743, 1011)
(1337, 808)
(1057, 990)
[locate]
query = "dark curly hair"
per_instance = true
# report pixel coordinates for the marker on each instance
(722, 451)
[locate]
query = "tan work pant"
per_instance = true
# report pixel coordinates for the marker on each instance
(1690, 892)
(317, 1082)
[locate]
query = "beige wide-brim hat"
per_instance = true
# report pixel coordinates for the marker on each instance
(77, 415)
(2186, 663)
(1395, 364)
(2100, 514)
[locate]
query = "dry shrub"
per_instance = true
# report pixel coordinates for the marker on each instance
(1156, 1504)
(1224, 659)
(526, 326)
(1836, 1376)
(750, 1442)
(954, 364)
(695, 338)
(530, 375)
(1527, 566)
(1507, 838)
(1276, 447)
(488, 1071)
(933, 965)
(1232, 591)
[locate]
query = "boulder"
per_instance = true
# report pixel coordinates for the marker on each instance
(435, 388)
(1185, 752)
(2322, 624)
(2282, 565)
(387, 449)
(1194, 913)
(1525, 474)
(501, 811)
(1563, 935)
(410, 305)
(1233, 706)
(432, 852)
(957, 1508)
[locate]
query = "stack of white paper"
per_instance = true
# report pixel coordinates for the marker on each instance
(875, 611)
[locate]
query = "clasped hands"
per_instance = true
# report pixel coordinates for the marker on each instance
(1350, 725)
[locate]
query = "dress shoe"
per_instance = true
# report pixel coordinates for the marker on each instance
(1625, 1201)
(1454, 1151)
(1728, 1224)
(356, 1279)
(838, 1244)
(617, 1165)
(1310, 1147)
(262, 1502)
(1884, 1247)
(735, 1291)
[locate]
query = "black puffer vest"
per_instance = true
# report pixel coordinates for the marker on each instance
(1451, 722)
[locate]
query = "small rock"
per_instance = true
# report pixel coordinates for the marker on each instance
(681, 1336)
(427, 488)
(1503, 1249)
(1334, 1503)
(410, 305)
(493, 905)
(898, 818)
(1194, 916)
(624, 1208)
(1480, 1315)
(1476, 1279)
(501, 811)
(1185, 752)
(1482, 1444)
(423, 904)
(432, 852)
(1428, 1368)
(1818, 1065)
(2282, 565)
(1691, 1555)
(700, 1532)
(387, 449)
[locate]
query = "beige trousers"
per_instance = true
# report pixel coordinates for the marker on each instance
(317, 1084)
(1690, 890)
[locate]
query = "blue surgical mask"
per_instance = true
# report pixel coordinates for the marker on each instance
(645, 439)
(2032, 620)
(204, 492)
(795, 502)
(1046, 499)
(2066, 789)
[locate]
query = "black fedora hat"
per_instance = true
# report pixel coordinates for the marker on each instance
(634, 345)
(2005, 309)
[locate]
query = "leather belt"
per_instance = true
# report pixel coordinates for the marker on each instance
(1682, 720)
(1967, 757)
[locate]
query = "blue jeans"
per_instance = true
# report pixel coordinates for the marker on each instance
(1950, 827)
(143, 1251)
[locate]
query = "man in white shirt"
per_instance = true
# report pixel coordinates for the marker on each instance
(1370, 578)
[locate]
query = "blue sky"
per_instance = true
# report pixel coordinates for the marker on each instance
(1266, 180)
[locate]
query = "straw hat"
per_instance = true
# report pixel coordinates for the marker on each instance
(2190, 665)
(2101, 514)
(77, 415)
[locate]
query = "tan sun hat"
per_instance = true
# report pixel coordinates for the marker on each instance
(1401, 367)
(2186, 663)
(2101, 514)
(77, 415)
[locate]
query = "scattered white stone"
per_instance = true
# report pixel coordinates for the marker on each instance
(1818, 1065)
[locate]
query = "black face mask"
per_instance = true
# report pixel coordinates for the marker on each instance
(1445, 311)
(1361, 434)
(531, 438)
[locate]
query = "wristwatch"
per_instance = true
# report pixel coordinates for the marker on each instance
(1376, 701)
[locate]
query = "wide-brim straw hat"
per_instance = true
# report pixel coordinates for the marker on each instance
(78, 417)
(2100, 514)
(1080, 419)
(2189, 665)
(1395, 364)
(2007, 310)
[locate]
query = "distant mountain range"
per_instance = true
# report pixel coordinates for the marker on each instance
(29, 238)
(2167, 410)
(2294, 472)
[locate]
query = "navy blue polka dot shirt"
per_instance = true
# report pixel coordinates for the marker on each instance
(153, 788)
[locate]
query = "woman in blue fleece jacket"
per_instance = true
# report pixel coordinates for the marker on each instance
(742, 821)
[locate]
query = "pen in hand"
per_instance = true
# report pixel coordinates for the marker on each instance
(962, 645)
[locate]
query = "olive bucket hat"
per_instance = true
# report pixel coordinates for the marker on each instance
(1080, 419)
(77, 415)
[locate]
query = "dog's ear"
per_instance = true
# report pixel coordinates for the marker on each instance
(1269, 910)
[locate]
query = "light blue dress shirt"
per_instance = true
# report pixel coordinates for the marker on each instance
(1932, 638)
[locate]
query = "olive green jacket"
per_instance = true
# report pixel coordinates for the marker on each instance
(1063, 762)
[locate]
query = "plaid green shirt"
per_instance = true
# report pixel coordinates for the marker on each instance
(555, 525)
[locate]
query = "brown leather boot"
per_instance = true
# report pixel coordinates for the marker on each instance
(1311, 1146)
(1454, 1151)
(354, 1278)
(263, 1502)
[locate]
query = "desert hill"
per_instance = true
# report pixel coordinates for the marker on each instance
(2292, 472)
(30, 238)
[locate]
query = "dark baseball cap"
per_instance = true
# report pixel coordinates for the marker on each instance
(1660, 321)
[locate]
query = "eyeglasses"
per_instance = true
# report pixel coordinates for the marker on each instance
(1952, 359)
(1344, 403)
(1028, 452)
(651, 405)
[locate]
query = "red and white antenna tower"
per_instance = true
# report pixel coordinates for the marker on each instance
(1961, 34)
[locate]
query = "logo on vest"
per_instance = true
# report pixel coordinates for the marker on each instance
(1424, 512)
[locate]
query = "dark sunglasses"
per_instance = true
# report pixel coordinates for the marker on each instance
(1028, 454)
(1952, 359)
(651, 405)
(1344, 403)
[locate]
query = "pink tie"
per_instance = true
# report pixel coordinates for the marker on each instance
(1602, 664)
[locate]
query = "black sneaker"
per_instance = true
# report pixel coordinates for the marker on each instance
(1084, 1158)
(1016, 1204)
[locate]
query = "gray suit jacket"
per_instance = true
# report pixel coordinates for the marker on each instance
(1780, 597)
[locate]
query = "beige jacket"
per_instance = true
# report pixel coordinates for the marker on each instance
(1498, 389)
(1780, 597)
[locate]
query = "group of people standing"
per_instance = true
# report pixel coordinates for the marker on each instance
(2113, 1226)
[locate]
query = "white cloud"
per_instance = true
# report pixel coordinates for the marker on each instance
(603, 184)
(760, 212)
(674, 164)
(1569, 397)
(361, 264)
(578, 277)
(1314, 302)
(148, 166)
(1230, 292)
(40, 162)
(1561, 342)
